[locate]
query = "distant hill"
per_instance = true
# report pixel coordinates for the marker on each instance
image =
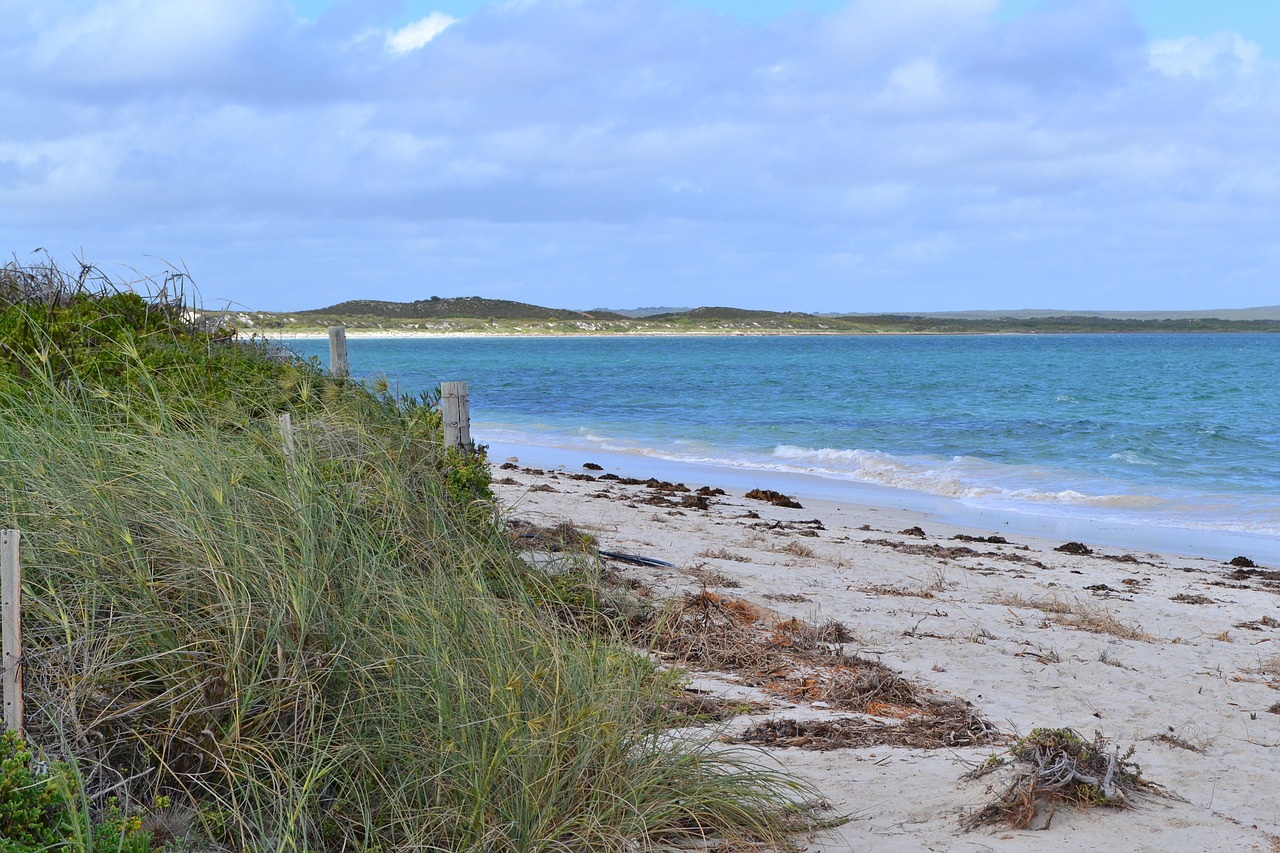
(719, 313)
(456, 307)
(638, 313)
(478, 315)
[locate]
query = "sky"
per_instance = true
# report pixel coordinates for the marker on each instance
(805, 155)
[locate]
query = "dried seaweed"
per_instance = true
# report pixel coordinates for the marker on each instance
(1053, 767)
(950, 725)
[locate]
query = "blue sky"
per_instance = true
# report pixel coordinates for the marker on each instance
(869, 155)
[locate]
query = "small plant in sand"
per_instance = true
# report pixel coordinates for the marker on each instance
(1057, 767)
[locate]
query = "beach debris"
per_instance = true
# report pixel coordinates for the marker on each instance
(707, 491)
(1259, 624)
(1242, 563)
(990, 540)
(556, 538)
(954, 552)
(723, 554)
(1255, 574)
(782, 528)
(1054, 767)
(591, 466)
(1078, 548)
(636, 560)
(664, 486)
(663, 499)
(951, 725)
(1193, 598)
(1274, 709)
(776, 498)
(1170, 739)
(1102, 590)
(711, 577)
(694, 707)
(916, 531)
(543, 487)
(509, 466)
(804, 662)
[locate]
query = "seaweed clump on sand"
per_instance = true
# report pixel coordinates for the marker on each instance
(1057, 767)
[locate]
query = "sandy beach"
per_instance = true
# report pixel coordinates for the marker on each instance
(1177, 656)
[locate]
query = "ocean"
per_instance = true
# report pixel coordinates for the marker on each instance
(1174, 432)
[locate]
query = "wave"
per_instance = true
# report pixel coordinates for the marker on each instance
(959, 477)
(1132, 458)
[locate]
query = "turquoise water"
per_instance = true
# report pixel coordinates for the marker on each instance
(1171, 430)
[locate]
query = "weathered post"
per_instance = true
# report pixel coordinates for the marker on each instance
(286, 434)
(11, 615)
(339, 366)
(455, 411)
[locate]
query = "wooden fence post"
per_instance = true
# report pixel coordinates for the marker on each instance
(11, 615)
(455, 411)
(339, 366)
(286, 434)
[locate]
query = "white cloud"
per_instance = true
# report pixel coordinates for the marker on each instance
(651, 143)
(1204, 57)
(419, 33)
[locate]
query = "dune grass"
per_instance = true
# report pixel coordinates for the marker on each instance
(334, 648)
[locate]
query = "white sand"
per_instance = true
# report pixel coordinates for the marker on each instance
(959, 624)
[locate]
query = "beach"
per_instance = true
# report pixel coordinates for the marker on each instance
(1173, 652)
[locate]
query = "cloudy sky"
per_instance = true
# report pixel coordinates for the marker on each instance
(859, 155)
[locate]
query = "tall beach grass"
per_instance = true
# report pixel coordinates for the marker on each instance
(334, 648)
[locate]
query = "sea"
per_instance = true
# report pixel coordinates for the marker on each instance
(1165, 441)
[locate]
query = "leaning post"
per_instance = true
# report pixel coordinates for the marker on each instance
(339, 366)
(11, 616)
(455, 411)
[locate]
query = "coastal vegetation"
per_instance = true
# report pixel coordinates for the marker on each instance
(240, 637)
(477, 315)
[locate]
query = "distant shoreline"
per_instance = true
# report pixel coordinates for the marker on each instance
(397, 334)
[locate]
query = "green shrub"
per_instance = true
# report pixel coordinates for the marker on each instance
(33, 799)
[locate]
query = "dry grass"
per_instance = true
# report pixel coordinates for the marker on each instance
(797, 549)
(708, 576)
(1077, 614)
(1097, 620)
(1270, 666)
(1047, 604)
(722, 554)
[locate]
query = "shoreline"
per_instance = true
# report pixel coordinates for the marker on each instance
(1174, 654)
(922, 506)
(386, 334)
